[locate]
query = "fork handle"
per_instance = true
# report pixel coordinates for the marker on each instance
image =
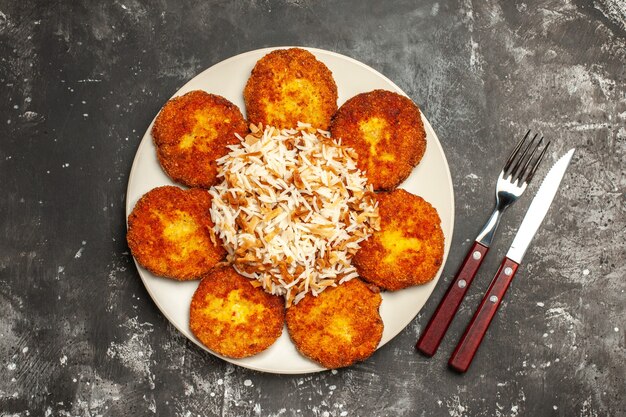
(440, 321)
(477, 328)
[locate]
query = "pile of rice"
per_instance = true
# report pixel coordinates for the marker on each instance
(292, 209)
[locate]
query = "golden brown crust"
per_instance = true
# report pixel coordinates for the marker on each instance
(339, 327)
(170, 233)
(233, 318)
(386, 131)
(408, 249)
(191, 132)
(288, 86)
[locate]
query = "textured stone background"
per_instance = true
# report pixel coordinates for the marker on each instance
(80, 82)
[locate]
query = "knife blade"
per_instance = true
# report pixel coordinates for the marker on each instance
(538, 208)
(477, 328)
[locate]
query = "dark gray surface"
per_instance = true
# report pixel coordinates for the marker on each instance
(81, 81)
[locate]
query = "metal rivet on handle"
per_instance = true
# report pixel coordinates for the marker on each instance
(476, 255)
(508, 271)
(462, 283)
(493, 299)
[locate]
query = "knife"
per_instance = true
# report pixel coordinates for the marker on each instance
(475, 332)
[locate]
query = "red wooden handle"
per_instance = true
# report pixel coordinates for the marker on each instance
(440, 321)
(468, 345)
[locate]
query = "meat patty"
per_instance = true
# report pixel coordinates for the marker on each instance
(191, 132)
(234, 318)
(170, 233)
(340, 326)
(288, 86)
(386, 131)
(408, 248)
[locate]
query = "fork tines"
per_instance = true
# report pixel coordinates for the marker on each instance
(520, 167)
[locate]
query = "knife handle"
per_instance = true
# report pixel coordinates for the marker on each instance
(440, 321)
(475, 332)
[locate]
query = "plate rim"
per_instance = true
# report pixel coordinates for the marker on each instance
(142, 144)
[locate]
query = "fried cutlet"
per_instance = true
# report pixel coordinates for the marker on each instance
(232, 317)
(386, 131)
(191, 132)
(288, 86)
(340, 326)
(408, 248)
(170, 233)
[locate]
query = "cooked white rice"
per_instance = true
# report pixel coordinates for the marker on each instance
(292, 209)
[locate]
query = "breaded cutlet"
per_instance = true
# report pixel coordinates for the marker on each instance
(386, 131)
(288, 86)
(408, 248)
(234, 318)
(340, 326)
(191, 132)
(170, 233)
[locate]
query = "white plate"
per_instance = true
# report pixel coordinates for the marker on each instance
(430, 179)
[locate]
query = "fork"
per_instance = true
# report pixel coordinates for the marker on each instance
(517, 173)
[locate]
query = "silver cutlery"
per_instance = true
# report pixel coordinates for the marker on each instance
(475, 332)
(518, 171)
